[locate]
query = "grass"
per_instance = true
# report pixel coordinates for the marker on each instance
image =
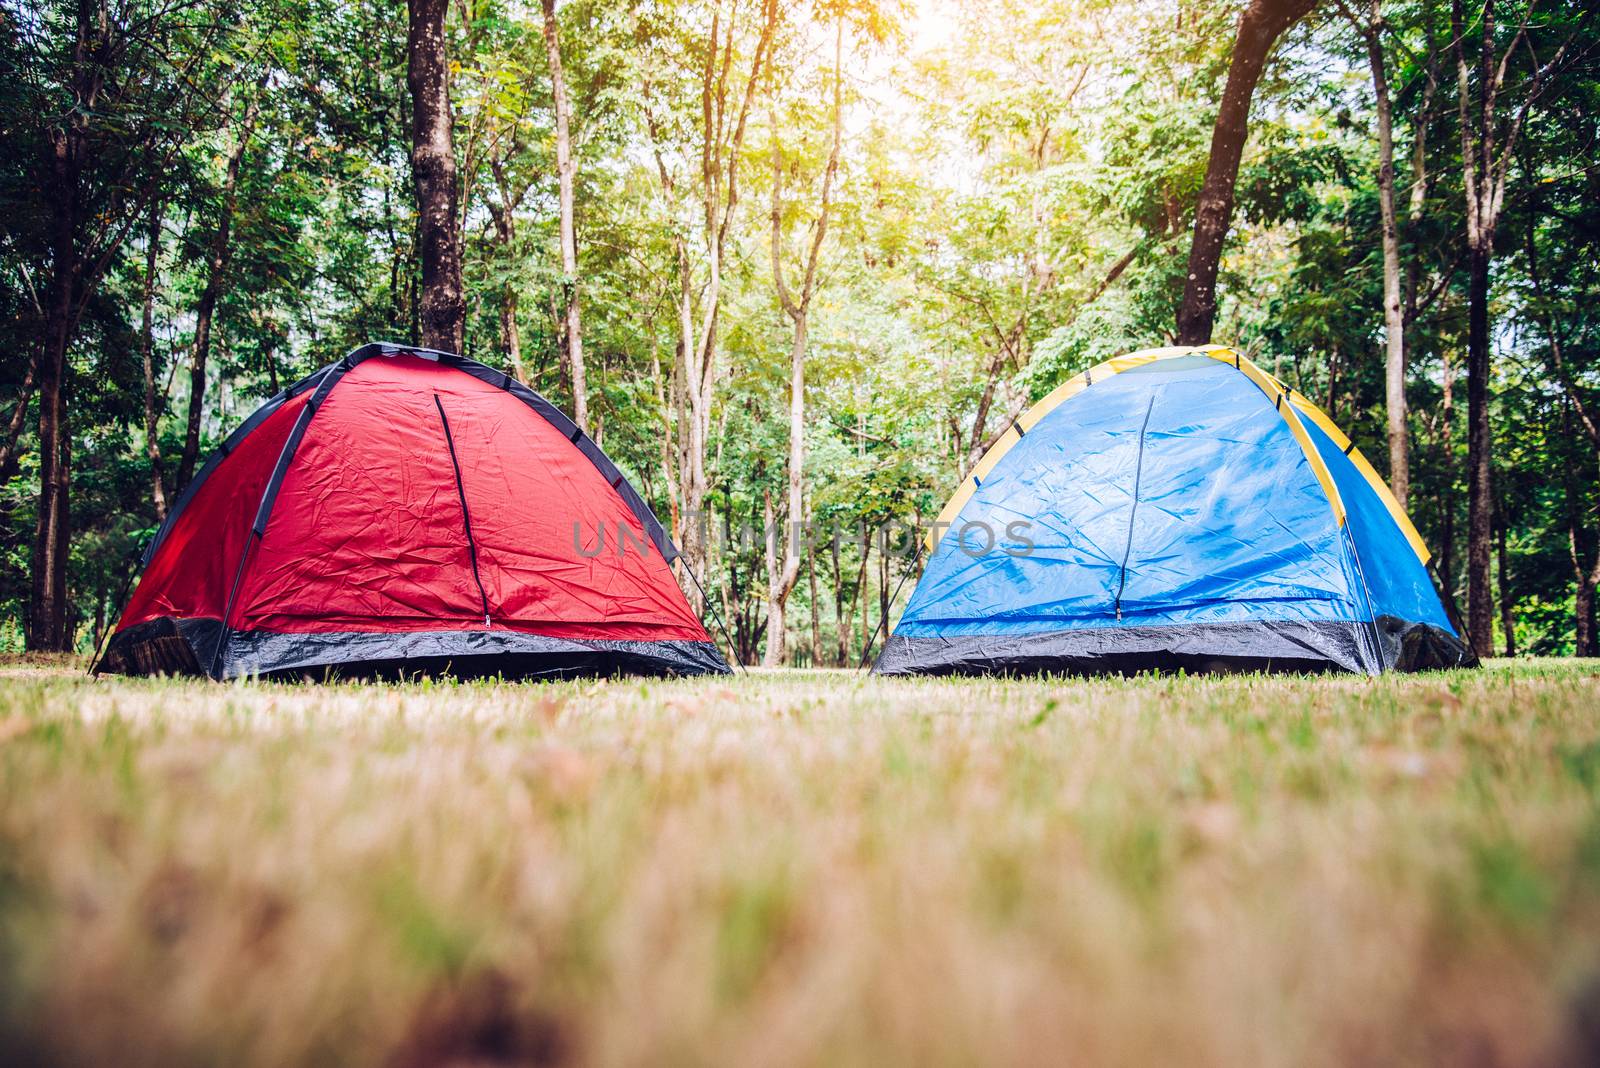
(803, 868)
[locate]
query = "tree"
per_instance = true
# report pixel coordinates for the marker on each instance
(152, 443)
(433, 167)
(797, 306)
(1015, 256)
(1488, 141)
(1583, 547)
(1394, 326)
(716, 148)
(105, 107)
(219, 250)
(566, 172)
(1018, 203)
(1260, 26)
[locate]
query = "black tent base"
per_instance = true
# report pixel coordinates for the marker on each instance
(191, 647)
(1212, 648)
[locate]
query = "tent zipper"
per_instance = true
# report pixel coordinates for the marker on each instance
(466, 517)
(1138, 474)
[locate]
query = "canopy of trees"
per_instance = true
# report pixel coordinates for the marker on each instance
(801, 262)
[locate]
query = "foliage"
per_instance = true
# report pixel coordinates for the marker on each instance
(1014, 202)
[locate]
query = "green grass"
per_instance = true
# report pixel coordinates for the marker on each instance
(803, 868)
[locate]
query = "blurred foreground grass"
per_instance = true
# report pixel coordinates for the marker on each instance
(803, 868)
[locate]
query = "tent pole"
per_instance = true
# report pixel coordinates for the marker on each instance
(122, 604)
(732, 650)
(1447, 598)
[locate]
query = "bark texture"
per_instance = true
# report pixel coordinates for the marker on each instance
(1260, 26)
(1480, 490)
(441, 311)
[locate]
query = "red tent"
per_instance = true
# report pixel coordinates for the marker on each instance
(404, 509)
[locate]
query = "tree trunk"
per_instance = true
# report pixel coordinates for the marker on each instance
(883, 586)
(1583, 542)
(721, 151)
(1503, 570)
(1579, 539)
(510, 337)
(674, 398)
(811, 576)
(47, 600)
(1401, 461)
(220, 253)
(1004, 356)
(1447, 496)
(1584, 602)
(1581, 536)
(862, 605)
(1480, 501)
(47, 627)
(857, 604)
(774, 548)
(798, 309)
(1477, 148)
(99, 620)
(1331, 405)
(1583, 610)
(152, 442)
(1394, 365)
(1418, 197)
(566, 172)
(669, 477)
(47, 606)
(19, 416)
(788, 533)
(840, 628)
(505, 227)
(442, 312)
(691, 450)
(1262, 22)
(1486, 155)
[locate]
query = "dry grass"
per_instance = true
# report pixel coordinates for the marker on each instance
(803, 868)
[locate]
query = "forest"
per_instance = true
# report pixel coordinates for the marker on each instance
(796, 265)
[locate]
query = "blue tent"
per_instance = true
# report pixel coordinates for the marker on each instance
(1174, 508)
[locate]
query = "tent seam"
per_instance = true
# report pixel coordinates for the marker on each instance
(1133, 512)
(1115, 366)
(634, 501)
(269, 496)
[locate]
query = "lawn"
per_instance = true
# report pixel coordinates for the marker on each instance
(803, 868)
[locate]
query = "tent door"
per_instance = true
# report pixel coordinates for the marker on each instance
(466, 517)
